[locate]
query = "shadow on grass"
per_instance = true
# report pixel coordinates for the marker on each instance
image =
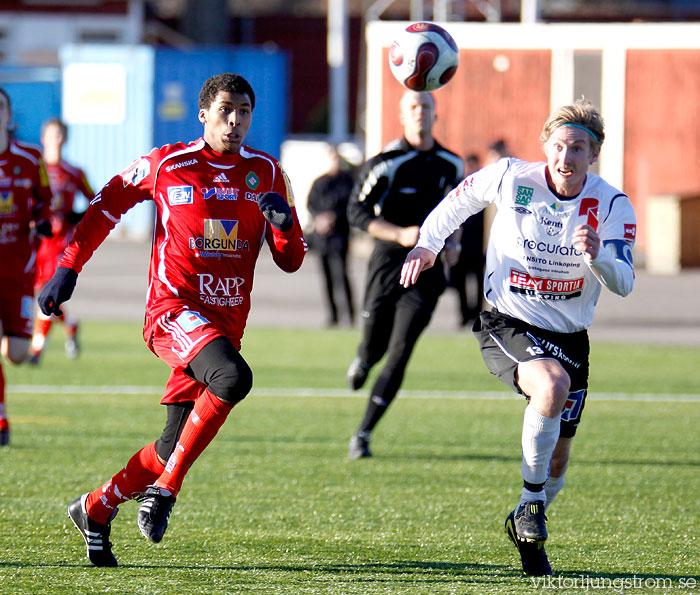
(423, 454)
(441, 571)
(457, 456)
(421, 572)
(637, 462)
(414, 453)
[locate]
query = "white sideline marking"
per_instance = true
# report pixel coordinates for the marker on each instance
(344, 393)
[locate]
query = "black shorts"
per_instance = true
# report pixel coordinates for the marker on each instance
(384, 294)
(506, 342)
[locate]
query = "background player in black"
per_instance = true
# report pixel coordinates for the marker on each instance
(394, 193)
(328, 203)
(467, 276)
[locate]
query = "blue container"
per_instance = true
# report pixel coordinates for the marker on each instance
(120, 101)
(35, 95)
(179, 75)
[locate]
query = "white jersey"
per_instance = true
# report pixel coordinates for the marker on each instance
(533, 271)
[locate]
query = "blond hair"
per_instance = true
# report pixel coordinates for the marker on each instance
(581, 114)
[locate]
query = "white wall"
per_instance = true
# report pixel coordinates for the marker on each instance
(612, 39)
(34, 38)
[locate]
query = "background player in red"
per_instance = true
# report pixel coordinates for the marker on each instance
(24, 213)
(66, 180)
(217, 201)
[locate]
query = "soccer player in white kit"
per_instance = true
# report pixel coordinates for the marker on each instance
(560, 234)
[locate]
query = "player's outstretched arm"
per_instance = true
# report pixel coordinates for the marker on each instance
(59, 289)
(416, 261)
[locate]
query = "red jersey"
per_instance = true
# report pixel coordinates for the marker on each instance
(208, 229)
(43, 193)
(66, 180)
(25, 195)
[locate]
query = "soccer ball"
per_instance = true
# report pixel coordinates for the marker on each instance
(423, 57)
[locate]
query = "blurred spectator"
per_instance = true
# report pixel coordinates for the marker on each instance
(327, 203)
(497, 150)
(66, 180)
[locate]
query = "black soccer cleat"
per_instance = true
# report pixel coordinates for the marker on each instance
(359, 446)
(530, 522)
(154, 513)
(357, 373)
(532, 555)
(96, 535)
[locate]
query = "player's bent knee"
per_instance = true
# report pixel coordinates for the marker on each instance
(559, 388)
(16, 358)
(232, 382)
(221, 367)
(15, 349)
(544, 380)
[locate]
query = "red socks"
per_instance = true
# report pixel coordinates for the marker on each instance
(205, 419)
(42, 326)
(144, 468)
(141, 471)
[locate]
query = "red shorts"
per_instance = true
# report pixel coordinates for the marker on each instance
(47, 257)
(16, 310)
(177, 338)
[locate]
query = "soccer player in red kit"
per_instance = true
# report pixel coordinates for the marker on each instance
(217, 201)
(66, 180)
(25, 195)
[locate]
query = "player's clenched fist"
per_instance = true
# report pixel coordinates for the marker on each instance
(58, 290)
(586, 240)
(416, 261)
(276, 210)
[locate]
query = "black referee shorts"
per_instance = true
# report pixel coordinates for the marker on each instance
(506, 342)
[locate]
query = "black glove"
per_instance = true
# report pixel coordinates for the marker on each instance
(58, 290)
(276, 210)
(74, 217)
(43, 228)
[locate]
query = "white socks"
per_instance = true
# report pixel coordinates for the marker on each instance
(552, 488)
(540, 435)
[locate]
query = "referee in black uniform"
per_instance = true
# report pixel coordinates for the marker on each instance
(394, 193)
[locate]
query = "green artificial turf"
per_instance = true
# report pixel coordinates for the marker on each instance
(274, 506)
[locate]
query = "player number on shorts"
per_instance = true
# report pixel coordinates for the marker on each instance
(534, 350)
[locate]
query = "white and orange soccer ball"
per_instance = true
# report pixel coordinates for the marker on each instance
(423, 57)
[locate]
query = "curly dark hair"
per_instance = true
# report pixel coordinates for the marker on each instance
(226, 81)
